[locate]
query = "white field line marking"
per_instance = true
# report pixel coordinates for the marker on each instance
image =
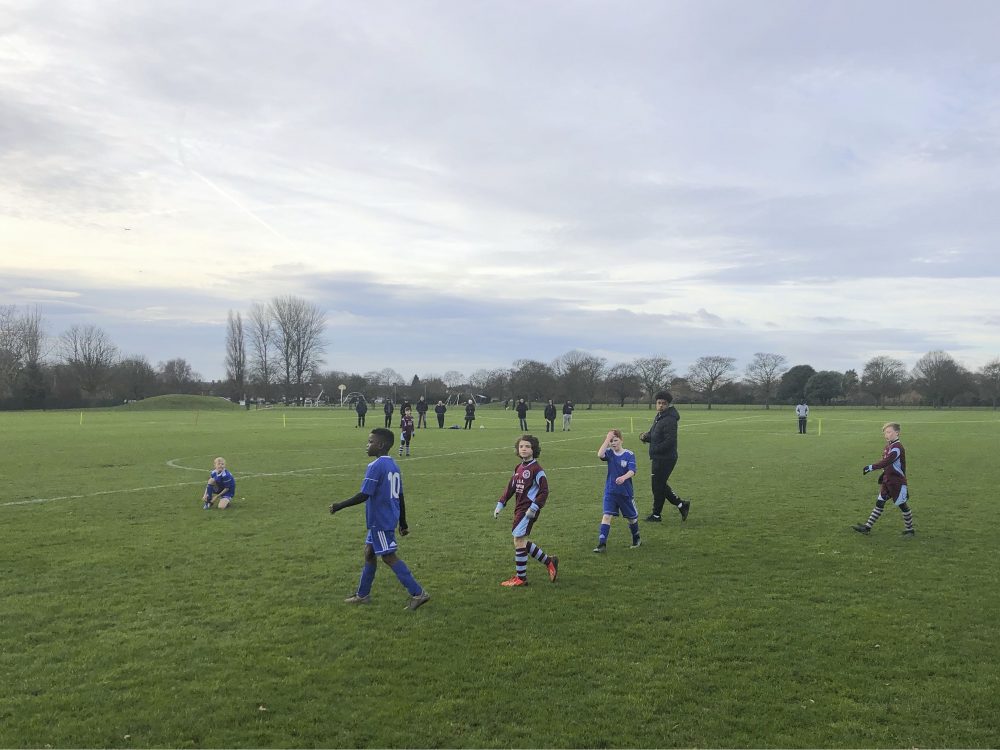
(174, 464)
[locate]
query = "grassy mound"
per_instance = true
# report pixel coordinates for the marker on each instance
(180, 402)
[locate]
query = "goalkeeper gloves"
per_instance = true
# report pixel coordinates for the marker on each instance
(866, 469)
(496, 510)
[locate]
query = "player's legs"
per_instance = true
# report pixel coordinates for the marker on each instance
(876, 513)
(626, 506)
(368, 570)
(403, 573)
(610, 510)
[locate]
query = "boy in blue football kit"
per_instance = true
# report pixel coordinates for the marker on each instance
(530, 489)
(892, 482)
(382, 493)
(221, 486)
(619, 496)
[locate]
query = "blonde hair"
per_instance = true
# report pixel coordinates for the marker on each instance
(219, 458)
(893, 425)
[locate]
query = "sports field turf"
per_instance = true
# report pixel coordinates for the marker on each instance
(130, 617)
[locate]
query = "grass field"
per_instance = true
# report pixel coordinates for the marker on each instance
(130, 617)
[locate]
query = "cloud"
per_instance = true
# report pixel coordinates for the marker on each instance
(448, 179)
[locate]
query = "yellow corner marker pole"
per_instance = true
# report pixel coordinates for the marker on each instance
(81, 417)
(820, 430)
(631, 421)
(284, 422)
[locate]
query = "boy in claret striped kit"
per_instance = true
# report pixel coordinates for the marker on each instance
(892, 482)
(530, 489)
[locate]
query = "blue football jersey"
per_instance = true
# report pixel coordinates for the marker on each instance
(383, 484)
(226, 482)
(619, 464)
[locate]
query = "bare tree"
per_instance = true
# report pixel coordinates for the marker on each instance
(654, 373)
(12, 358)
(299, 326)
(764, 374)
(176, 376)
(21, 338)
(710, 373)
(454, 379)
(90, 355)
(989, 381)
(940, 378)
(883, 376)
(622, 382)
(579, 373)
(262, 360)
(531, 380)
(236, 352)
(133, 378)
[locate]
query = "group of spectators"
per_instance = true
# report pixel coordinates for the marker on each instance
(388, 407)
(422, 407)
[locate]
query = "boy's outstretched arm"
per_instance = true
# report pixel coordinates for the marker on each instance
(356, 500)
(403, 528)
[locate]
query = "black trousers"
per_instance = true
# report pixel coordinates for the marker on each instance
(388, 421)
(550, 425)
(440, 420)
(802, 425)
(662, 468)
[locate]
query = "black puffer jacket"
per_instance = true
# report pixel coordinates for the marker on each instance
(662, 436)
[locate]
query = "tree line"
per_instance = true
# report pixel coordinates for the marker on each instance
(936, 380)
(274, 352)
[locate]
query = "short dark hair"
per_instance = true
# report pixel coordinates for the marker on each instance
(665, 396)
(386, 437)
(536, 449)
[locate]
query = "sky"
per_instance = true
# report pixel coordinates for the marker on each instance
(459, 185)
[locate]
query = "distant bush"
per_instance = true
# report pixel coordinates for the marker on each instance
(181, 402)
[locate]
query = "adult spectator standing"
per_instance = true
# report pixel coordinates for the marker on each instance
(802, 412)
(388, 407)
(567, 412)
(522, 414)
(361, 407)
(662, 439)
(550, 417)
(470, 414)
(421, 413)
(440, 409)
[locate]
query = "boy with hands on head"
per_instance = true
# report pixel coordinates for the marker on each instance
(619, 496)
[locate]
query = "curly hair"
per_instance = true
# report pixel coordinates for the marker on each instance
(536, 449)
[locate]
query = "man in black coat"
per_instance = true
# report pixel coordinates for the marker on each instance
(550, 417)
(662, 439)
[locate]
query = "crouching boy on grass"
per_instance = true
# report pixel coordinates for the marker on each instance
(221, 486)
(382, 493)
(530, 489)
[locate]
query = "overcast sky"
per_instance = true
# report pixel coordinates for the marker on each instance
(463, 184)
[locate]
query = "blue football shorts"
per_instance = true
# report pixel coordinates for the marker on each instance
(623, 504)
(382, 542)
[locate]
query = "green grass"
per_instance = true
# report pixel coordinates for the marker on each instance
(129, 617)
